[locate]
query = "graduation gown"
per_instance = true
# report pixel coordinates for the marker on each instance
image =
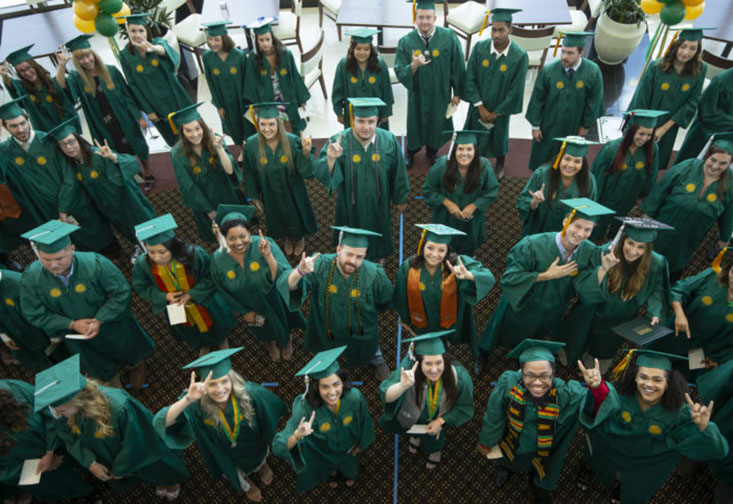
(327, 448)
(590, 324)
(44, 187)
(430, 89)
(368, 182)
(221, 458)
(672, 92)
(134, 452)
(434, 192)
(531, 309)
(209, 302)
(620, 190)
(97, 289)
(11, 226)
(40, 105)
(548, 217)
(559, 106)
(226, 83)
(206, 185)
(362, 84)
(460, 412)
(468, 294)
(126, 110)
(723, 418)
(33, 442)
(258, 86)
(497, 82)
(354, 304)
(676, 200)
(642, 449)
(280, 186)
(154, 84)
(252, 288)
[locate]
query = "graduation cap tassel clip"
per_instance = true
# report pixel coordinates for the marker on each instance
(170, 121)
(252, 115)
(483, 25)
(219, 237)
(718, 259)
(617, 238)
(411, 352)
(622, 366)
(567, 223)
(559, 156)
(422, 240)
(557, 44)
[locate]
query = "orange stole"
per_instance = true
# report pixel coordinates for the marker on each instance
(448, 301)
(195, 314)
(8, 206)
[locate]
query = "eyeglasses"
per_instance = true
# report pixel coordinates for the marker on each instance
(531, 377)
(68, 143)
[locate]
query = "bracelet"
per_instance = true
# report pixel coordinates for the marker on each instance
(297, 268)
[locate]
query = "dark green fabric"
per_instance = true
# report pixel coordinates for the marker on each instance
(362, 84)
(40, 105)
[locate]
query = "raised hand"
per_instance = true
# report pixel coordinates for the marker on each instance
(306, 264)
(306, 143)
(264, 246)
(197, 390)
(305, 428)
(700, 414)
(105, 151)
(591, 376)
(334, 148)
(556, 270)
(4, 69)
(63, 56)
(460, 271)
(407, 377)
(217, 140)
(538, 196)
(609, 260)
(681, 324)
(418, 60)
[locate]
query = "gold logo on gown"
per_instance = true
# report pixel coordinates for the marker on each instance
(254, 266)
(348, 419)
(49, 98)
(685, 87)
(436, 53)
(729, 317)
(707, 300)
(263, 160)
(231, 275)
(626, 416)
(655, 429)
(639, 165)
(263, 71)
(55, 292)
(78, 176)
(579, 84)
(94, 174)
(233, 71)
(664, 86)
(80, 287)
(9, 302)
(690, 187)
(485, 63)
(574, 273)
(355, 293)
(354, 80)
(502, 67)
(623, 167)
(356, 158)
(375, 157)
(154, 62)
(325, 427)
(211, 160)
(332, 289)
(417, 52)
(283, 158)
(422, 286)
(372, 79)
(712, 198)
(19, 161)
(283, 71)
(33, 98)
(139, 68)
(559, 85)
(216, 71)
(41, 160)
(209, 422)
(196, 169)
(87, 90)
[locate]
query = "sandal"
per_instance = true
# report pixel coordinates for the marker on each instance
(265, 475)
(414, 444)
(299, 248)
(149, 183)
(432, 464)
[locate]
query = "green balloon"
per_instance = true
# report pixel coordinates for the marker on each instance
(106, 25)
(110, 6)
(672, 13)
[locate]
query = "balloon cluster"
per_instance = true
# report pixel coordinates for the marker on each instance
(104, 16)
(672, 12)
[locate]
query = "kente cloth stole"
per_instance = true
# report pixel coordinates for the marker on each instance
(448, 300)
(177, 279)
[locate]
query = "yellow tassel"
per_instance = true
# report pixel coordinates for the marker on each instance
(559, 156)
(414, 11)
(351, 115)
(718, 260)
(254, 119)
(620, 370)
(671, 43)
(570, 219)
(557, 44)
(483, 25)
(170, 121)
(422, 239)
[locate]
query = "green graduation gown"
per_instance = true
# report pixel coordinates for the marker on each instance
(206, 185)
(280, 186)
(469, 293)
(559, 106)
(723, 418)
(368, 181)
(620, 190)
(642, 449)
(434, 192)
(97, 289)
(430, 89)
(134, 452)
(44, 187)
(41, 108)
(497, 82)
(121, 101)
(548, 217)
(590, 324)
(672, 92)
(258, 86)
(220, 456)
(714, 115)
(252, 288)
(226, 83)
(362, 84)
(154, 84)
(327, 448)
(353, 307)
(33, 442)
(531, 309)
(676, 200)
(203, 293)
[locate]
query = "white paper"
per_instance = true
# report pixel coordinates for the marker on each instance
(5, 338)
(487, 125)
(176, 314)
(494, 453)
(418, 429)
(450, 110)
(696, 356)
(76, 336)
(28, 475)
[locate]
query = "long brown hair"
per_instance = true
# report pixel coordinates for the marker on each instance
(582, 177)
(693, 68)
(724, 180)
(372, 61)
(47, 83)
(149, 31)
(636, 272)
(447, 380)
(284, 142)
(725, 269)
(85, 148)
(626, 142)
(417, 261)
(207, 143)
(93, 405)
(99, 66)
(473, 176)
(279, 49)
(227, 43)
(12, 419)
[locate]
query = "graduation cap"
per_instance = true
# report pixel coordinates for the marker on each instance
(354, 237)
(437, 233)
(322, 365)
(575, 146)
(364, 107)
(156, 231)
(362, 35)
(642, 229)
(503, 15)
(722, 140)
(712, 383)
(61, 131)
(657, 360)
(140, 18)
(421, 4)
(12, 109)
(58, 384)
(19, 55)
(466, 136)
(584, 208)
(80, 42)
(184, 116)
(265, 110)
(226, 213)
(693, 34)
(574, 38)
(531, 350)
(262, 25)
(644, 118)
(51, 236)
(218, 363)
(216, 28)
(428, 343)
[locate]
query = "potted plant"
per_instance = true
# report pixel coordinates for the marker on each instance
(160, 19)
(619, 30)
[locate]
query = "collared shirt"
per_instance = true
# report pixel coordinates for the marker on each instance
(366, 146)
(26, 145)
(429, 36)
(574, 67)
(565, 257)
(65, 278)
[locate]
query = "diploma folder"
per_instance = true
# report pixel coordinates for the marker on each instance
(640, 331)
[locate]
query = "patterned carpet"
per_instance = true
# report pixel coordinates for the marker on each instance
(463, 476)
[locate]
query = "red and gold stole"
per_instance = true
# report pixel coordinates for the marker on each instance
(8, 206)
(448, 300)
(177, 279)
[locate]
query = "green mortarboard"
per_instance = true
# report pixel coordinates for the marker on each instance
(586, 208)
(225, 213)
(216, 28)
(156, 231)
(217, 362)
(692, 34)
(58, 384)
(711, 383)
(574, 146)
(365, 107)
(575, 38)
(323, 364)
(531, 350)
(19, 55)
(354, 237)
(466, 136)
(642, 229)
(644, 118)
(439, 233)
(80, 42)
(722, 140)
(12, 109)
(429, 343)
(51, 236)
(423, 4)
(656, 360)
(268, 110)
(61, 131)
(262, 25)
(362, 35)
(138, 18)
(502, 15)
(184, 116)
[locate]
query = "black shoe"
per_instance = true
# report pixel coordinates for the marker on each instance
(478, 364)
(540, 495)
(431, 155)
(381, 371)
(502, 476)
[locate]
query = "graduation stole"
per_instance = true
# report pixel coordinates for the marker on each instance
(433, 398)
(8, 206)
(232, 435)
(351, 292)
(177, 279)
(547, 413)
(448, 300)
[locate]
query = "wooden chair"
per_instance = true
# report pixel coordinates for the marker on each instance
(287, 28)
(311, 66)
(329, 8)
(716, 64)
(465, 20)
(388, 54)
(535, 42)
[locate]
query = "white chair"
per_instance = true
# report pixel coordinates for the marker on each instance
(190, 36)
(715, 64)
(329, 8)
(578, 20)
(466, 19)
(535, 42)
(595, 11)
(389, 54)
(311, 66)
(287, 28)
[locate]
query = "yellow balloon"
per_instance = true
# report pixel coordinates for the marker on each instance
(85, 11)
(120, 16)
(692, 3)
(651, 6)
(694, 11)
(84, 25)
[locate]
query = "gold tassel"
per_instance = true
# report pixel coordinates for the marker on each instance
(170, 121)
(557, 44)
(622, 366)
(254, 119)
(351, 115)
(559, 156)
(718, 259)
(570, 219)
(414, 11)
(483, 25)
(422, 240)
(672, 43)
